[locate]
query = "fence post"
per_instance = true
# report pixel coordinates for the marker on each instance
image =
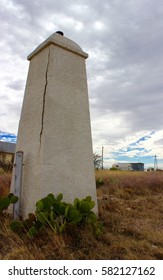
(18, 182)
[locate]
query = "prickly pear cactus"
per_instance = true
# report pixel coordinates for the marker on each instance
(52, 212)
(6, 201)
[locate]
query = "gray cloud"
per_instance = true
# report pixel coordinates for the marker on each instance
(125, 65)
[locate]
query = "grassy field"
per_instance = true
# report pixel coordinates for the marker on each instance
(130, 209)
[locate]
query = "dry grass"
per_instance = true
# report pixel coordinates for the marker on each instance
(131, 210)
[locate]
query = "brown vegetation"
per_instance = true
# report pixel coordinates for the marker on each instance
(130, 209)
(5, 180)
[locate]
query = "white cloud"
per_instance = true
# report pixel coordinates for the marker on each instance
(98, 25)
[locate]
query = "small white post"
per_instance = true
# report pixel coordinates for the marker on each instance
(18, 182)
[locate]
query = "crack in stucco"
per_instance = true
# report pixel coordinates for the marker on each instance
(44, 96)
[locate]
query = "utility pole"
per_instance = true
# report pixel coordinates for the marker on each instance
(102, 157)
(155, 163)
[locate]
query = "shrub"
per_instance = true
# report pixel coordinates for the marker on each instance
(6, 166)
(99, 182)
(2, 171)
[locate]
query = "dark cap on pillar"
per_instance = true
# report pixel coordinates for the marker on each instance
(60, 32)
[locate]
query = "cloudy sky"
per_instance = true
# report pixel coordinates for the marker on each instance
(124, 40)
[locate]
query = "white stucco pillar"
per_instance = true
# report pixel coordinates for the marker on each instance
(54, 130)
